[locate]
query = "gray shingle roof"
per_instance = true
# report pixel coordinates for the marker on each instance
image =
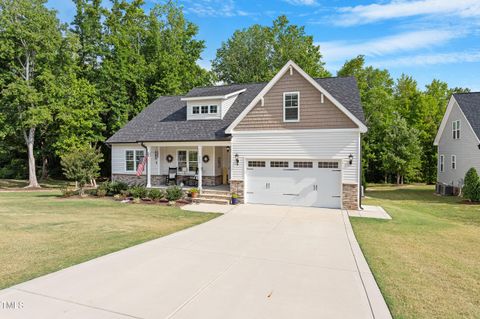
(165, 119)
(470, 105)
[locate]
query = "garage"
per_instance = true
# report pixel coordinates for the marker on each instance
(315, 183)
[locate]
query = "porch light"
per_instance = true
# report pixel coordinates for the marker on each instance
(350, 159)
(236, 159)
(228, 149)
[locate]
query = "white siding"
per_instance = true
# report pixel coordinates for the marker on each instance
(118, 157)
(313, 144)
(465, 149)
(200, 116)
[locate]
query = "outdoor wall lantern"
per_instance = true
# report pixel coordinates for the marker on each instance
(228, 149)
(237, 160)
(156, 154)
(350, 159)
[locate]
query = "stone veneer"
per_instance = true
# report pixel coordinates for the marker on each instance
(350, 196)
(237, 188)
(133, 179)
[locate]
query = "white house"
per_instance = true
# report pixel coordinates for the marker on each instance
(292, 141)
(458, 140)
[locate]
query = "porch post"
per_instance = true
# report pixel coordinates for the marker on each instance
(200, 163)
(149, 166)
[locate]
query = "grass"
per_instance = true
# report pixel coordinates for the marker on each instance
(21, 183)
(427, 259)
(42, 233)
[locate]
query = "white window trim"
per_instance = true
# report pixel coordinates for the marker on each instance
(298, 107)
(442, 163)
(134, 159)
(195, 107)
(210, 109)
(454, 162)
(188, 172)
(456, 129)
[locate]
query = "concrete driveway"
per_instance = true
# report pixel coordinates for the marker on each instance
(254, 262)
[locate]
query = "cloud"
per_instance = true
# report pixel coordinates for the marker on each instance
(214, 8)
(302, 2)
(403, 42)
(430, 59)
(363, 14)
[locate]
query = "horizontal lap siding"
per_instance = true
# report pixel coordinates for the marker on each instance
(118, 157)
(297, 145)
(313, 113)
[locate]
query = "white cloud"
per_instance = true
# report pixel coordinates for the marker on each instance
(363, 14)
(302, 2)
(430, 59)
(403, 42)
(214, 8)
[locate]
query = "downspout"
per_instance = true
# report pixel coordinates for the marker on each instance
(146, 166)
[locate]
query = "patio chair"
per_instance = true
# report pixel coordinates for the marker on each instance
(172, 175)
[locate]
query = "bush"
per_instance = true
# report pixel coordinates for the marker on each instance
(82, 165)
(138, 192)
(174, 193)
(155, 194)
(101, 192)
(116, 187)
(471, 187)
(67, 192)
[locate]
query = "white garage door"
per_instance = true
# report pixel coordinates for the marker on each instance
(294, 182)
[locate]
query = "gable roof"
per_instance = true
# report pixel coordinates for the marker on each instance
(289, 67)
(469, 104)
(166, 118)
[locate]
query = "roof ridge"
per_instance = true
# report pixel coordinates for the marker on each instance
(465, 93)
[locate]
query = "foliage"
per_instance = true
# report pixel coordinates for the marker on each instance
(173, 193)
(193, 191)
(471, 188)
(138, 191)
(113, 188)
(257, 53)
(234, 195)
(66, 191)
(156, 194)
(82, 165)
(101, 192)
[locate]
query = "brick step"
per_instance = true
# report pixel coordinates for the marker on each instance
(215, 192)
(211, 201)
(215, 196)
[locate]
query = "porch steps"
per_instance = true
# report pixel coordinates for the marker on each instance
(211, 201)
(209, 196)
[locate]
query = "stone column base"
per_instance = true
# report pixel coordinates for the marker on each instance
(350, 197)
(236, 187)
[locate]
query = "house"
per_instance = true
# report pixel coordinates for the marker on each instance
(292, 141)
(458, 141)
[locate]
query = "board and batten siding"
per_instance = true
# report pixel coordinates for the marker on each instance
(465, 149)
(297, 144)
(313, 113)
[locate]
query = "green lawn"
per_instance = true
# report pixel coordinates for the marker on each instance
(42, 233)
(427, 259)
(21, 183)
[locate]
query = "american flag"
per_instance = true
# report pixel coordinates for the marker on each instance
(141, 166)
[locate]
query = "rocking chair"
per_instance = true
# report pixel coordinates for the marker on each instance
(172, 175)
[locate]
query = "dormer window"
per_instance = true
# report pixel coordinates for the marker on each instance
(213, 109)
(196, 110)
(204, 109)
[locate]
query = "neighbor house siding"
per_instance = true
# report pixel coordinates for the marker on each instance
(465, 149)
(313, 113)
(304, 144)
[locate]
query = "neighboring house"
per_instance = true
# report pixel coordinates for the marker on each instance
(292, 141)
(458, 140)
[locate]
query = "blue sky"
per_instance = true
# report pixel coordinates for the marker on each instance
(423, 38)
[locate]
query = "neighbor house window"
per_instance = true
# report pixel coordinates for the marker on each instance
(291, 107)
(456, 129)
(278, 164)
(204, 109)
(196, 110)
(442, 163)
(187, 161)
(132, 159)
(454, 161)
(213, 109)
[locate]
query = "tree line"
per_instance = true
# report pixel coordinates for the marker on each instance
(66, 88)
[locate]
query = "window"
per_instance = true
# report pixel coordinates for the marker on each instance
(204, 109)
(290, 107)
(132, 159)
(256, 163)
(454, 161)
(187, 161)
(442, 163)
(213, 109)
(456, 129)
(303, 164)
(278, 164)
(327, 164)
(196, 110)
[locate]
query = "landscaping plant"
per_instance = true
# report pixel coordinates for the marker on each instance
(174, 193)
(155, 194)
(193, 192)
(82, 165)
(471, 187)
(138, 192)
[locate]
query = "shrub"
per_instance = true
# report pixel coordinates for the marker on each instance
(67, 192)
(174, 193)
(471, 187)
(138, 192)
(101, 192)
(82, 165)
(116, 187)
(155, 194)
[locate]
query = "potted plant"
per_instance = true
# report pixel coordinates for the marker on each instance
(234, 199)
(193, 192)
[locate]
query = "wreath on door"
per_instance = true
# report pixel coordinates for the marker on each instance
(169, 158)
(206, 158)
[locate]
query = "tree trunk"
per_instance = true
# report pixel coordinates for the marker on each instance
(44, 168)
(398, 179)
(32, 174)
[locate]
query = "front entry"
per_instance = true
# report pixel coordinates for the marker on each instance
(315, 183)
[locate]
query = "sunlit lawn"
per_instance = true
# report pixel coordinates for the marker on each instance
(42, 233)
(427, 259)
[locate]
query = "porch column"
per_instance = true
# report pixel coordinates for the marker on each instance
(149, 166)
(200, 163)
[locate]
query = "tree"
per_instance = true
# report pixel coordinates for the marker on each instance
(257, 53)
(471, 187)
(82, 165)
(29, 40)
